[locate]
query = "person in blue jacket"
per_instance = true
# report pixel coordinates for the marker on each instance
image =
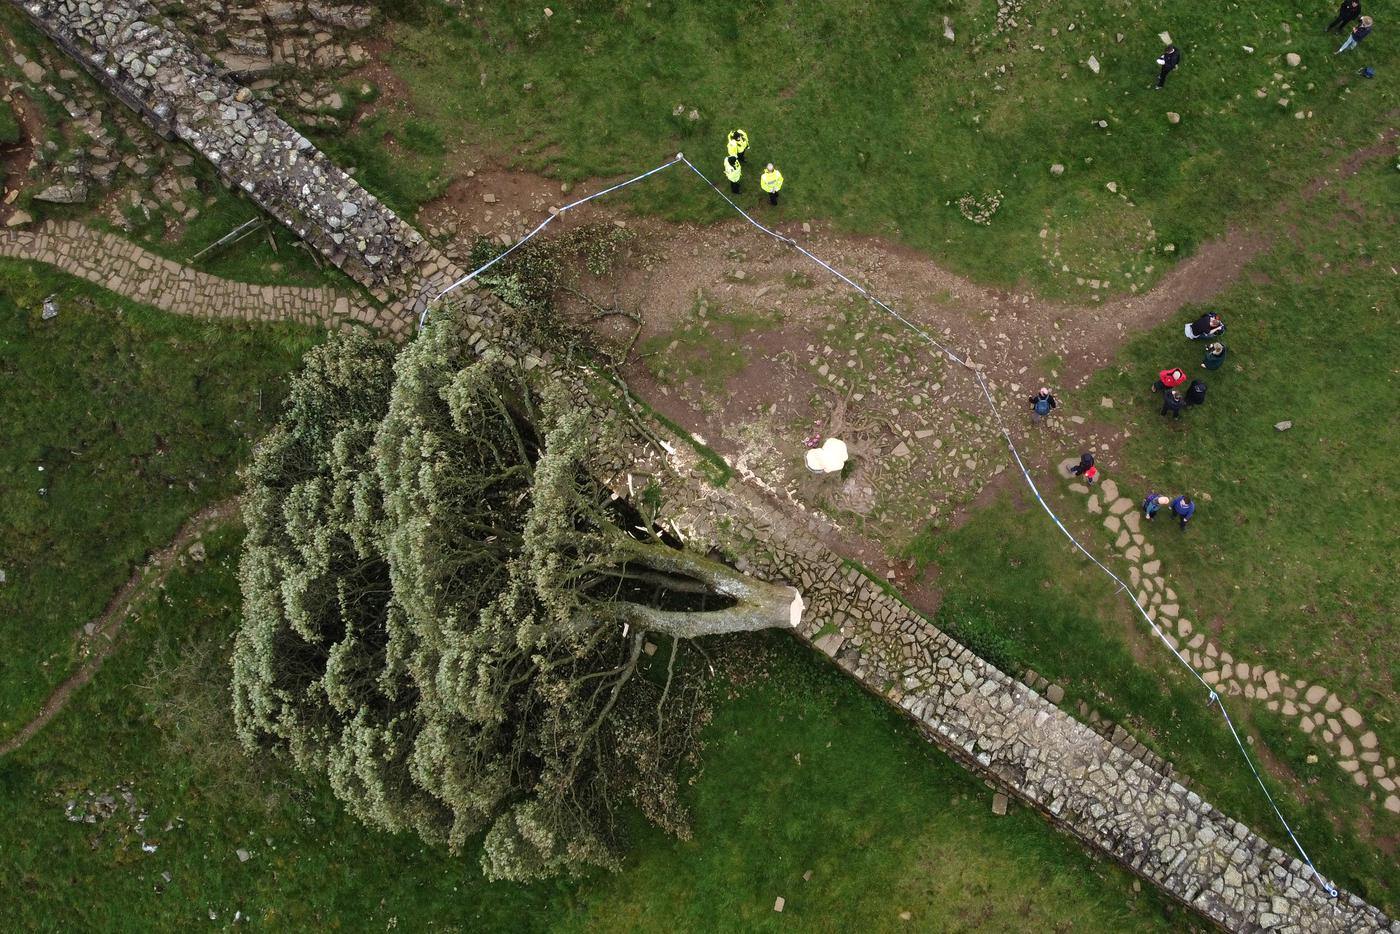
(1183, 509)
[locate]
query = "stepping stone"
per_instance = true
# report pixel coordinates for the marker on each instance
(1392, 804)
(1368, 740)
(1066, 464)
(1197, 640)
(1169, 609)
(1306, 724)
(1271, 682)
(1171, 594)
(1183, 626)
(1361, 779)
(1120, 506)
(1132, 520)
(1351, 718)
(1349, 765)
(1147, 548)
(1110, 490)
(1161, 584)
(1123, 539)
(1148, 585)
(1094, 506)
(1079, 488)
(1345, 747)
(1134, 575)
(1210, 649)
(1315, 694)
(1152, 567)
(1289, 710)
(1133, 554)
(1333, 704)
(1242, 671)
(1111, 523)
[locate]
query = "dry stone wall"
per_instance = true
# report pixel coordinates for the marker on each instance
(1118, 802)
(183, 94)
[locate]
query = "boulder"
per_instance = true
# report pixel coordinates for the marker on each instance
(64, 193)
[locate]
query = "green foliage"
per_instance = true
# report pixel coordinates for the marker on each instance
(529, 278)
(803, 772)
(128, 420)
(443, 617)
(983, 629)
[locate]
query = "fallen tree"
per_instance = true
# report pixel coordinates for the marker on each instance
(445, 612)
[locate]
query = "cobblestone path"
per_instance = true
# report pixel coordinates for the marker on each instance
(140, 275)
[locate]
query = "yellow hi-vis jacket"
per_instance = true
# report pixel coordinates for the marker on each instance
(771, 181)
(736, 146)
(732, 169)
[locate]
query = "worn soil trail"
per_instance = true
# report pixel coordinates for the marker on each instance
(99, 637)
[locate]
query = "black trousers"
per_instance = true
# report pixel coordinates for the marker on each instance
(772, 197)
(1341, 20)
(734, 187)
(1174, 412)
(1162, 75)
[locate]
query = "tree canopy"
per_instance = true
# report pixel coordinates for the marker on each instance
(445, 611)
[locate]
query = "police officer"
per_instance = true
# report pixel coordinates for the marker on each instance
(733, 171)
(771, 181)
(737, 143)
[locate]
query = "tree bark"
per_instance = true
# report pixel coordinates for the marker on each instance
(758, 604)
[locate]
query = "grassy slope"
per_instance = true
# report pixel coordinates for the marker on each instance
(138, 419)
(1293, 552)
(885, 823)
(882, 125)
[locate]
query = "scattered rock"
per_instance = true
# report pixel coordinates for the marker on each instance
(1105, 403)
(33, 72)
(1166, 38)
(197, 552)
(1054, 693)
(243, 855)
(1173, 117)
(70, 193)
(948, 30)
(1283, 426)
(49, 312)
(488, 198)
(1093, 64)
(1057, 170)
(19, 219)
(778, 903)
(1293, 59)
(999, 802)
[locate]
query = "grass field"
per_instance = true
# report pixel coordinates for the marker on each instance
(802, 771)
(1288, 563)
(120, 422)
(881, 124)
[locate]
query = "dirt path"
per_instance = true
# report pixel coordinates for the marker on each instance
(99, 637)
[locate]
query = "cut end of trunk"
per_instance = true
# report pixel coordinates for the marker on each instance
(795, 610)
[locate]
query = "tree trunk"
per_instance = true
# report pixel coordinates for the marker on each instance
(758, 604)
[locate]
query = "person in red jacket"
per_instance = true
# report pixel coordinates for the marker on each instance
(1169, 379)
(1085, 468)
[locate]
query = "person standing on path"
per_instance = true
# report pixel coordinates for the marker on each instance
(1183, 509)
(1154, 502)
(737, 143)
(1207, 325)
(1358, 32)
(1172, 403)
(1169, 379)
(1349, 11)
(1042, 403)
(1215, 356)
(733, 171)
(1085, 468)
(771, 181)
(1169, 59)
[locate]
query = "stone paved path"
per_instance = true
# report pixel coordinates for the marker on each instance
(1318, 710)
(125, 268)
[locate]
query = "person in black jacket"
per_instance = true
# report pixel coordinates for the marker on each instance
(1172, 403)
(1349, 11)
(1168, 60)
(1207, 325)
(1358, 32)
(1196, 393)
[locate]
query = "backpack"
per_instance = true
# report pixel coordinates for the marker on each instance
(1042, 405)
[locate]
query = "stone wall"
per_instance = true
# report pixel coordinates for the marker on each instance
(152, 68)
